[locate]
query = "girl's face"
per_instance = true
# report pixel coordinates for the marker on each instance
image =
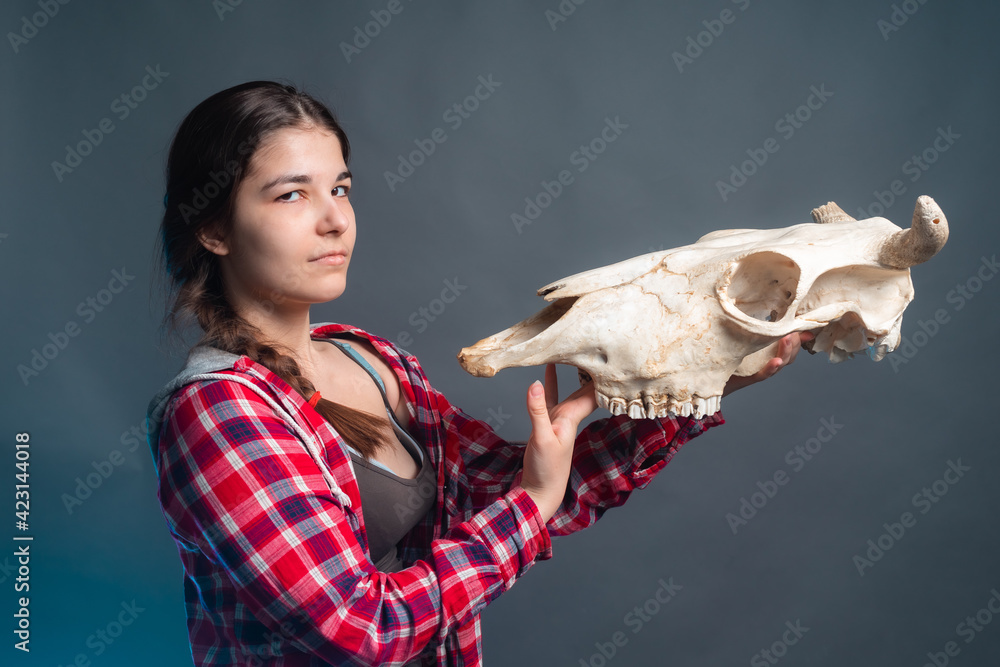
(291, 211)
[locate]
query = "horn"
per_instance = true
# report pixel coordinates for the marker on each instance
(829, 213)
(926, 236)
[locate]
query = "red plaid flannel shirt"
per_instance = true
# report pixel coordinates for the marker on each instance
(276, 563)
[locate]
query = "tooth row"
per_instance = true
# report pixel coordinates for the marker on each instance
(666, 407)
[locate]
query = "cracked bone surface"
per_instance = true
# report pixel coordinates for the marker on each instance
(660, 334)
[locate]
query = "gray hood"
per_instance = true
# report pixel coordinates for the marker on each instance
(201, 360)
(204, 363)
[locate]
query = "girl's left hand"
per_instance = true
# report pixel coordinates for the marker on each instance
(548, 455)
(787, 351)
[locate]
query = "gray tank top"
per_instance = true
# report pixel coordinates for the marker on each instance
(391, 505)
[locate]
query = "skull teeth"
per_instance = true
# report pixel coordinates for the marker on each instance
(659, 407)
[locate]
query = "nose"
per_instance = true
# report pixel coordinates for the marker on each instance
(337, 214)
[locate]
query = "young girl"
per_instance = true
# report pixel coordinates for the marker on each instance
(328, 505)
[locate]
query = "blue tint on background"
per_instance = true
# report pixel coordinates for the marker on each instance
(682, 128)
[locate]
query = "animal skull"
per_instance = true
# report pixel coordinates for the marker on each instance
(660, 334)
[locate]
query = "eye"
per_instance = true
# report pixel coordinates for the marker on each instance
(293, 192)
(346, 189)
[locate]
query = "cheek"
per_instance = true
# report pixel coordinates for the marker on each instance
(265, 257)
(272, 241)
(249, 239)
(258, 265)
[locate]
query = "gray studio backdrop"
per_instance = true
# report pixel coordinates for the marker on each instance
(844, 514)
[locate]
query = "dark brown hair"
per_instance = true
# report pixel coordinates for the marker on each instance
(209, 157)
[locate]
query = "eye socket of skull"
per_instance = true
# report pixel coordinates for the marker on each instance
(763, 285)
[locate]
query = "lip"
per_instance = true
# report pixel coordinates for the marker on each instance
(333, 258)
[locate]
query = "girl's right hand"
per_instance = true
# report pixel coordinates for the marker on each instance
(549, 454)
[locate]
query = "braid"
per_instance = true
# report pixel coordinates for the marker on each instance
(227, 330)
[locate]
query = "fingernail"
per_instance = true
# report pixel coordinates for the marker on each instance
(535, 389)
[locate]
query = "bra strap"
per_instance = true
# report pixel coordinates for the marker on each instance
(346, 347)
(400, 431)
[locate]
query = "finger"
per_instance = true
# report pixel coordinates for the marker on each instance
(786, 350)
(577, 405)
(551, 386)
(791, 348)
(538, 412)
(586, 390)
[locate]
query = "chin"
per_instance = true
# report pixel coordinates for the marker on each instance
(332, 293)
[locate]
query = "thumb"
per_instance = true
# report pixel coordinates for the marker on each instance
(538, 411)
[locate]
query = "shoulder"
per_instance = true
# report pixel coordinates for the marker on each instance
(211, 399)
(339, 330)
(226, 421)
(382, 349)
(416, 387)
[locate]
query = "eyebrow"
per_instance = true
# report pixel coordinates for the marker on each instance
(299, 178)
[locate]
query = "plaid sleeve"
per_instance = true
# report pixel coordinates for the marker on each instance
(490, 465)
(236, 482)
(482, 466)
(611, 458)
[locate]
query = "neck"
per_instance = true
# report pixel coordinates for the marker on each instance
(285, 325)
